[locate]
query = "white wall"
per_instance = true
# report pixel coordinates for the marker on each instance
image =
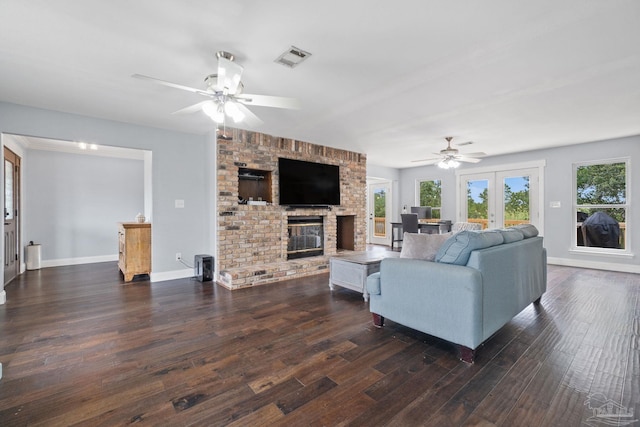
(73, 202)
(180, 163)
(559, 224)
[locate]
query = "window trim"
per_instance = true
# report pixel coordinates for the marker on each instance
(574, 248)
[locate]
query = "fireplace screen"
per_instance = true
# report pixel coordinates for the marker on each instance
(305, 237)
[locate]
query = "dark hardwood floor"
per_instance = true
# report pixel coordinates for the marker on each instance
(78, 347)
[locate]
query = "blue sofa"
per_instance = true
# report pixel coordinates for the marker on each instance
(479, 281)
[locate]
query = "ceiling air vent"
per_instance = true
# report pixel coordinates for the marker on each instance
(292, 57)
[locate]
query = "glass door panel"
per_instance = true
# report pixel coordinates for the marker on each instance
(379, 210)
(478, 200)
(517, 195)
(515, 201)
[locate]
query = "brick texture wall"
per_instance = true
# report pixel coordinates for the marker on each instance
(252, 240)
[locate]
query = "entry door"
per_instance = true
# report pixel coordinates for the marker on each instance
(500, 199)
(11, 202)
(380, 214)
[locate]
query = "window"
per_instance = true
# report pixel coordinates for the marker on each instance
(601, 205)
(429, 194)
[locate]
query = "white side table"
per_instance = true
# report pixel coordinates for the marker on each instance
(351, 269)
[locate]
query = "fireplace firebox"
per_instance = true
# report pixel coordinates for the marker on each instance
(306, 237)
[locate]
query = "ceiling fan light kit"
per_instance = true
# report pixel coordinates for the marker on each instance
(448, 163)
(232, 110)
(215, 112)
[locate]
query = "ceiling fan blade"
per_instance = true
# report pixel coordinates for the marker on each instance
(249, 118)
(173, 85)
(268, 101)
(229, 75)
(478, 154)
(191, 108)
(427, 161)
(467, 159)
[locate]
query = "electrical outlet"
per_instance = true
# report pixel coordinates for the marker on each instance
(178, 256)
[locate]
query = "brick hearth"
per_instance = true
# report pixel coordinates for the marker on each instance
(252, 240)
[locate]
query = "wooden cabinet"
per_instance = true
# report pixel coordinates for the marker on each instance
(134, 248)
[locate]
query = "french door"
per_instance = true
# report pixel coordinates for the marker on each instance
(500, 199)
(380, 213)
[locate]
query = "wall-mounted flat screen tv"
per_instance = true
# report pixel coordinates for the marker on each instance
(308, 184)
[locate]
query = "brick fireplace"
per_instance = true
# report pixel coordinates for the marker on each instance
(253, 230)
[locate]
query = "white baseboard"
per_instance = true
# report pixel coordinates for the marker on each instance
(610, 266)
(172, 275)
(3, 297)
(155, 277)
(75, 261)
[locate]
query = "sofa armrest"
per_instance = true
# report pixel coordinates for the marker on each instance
(373, 284)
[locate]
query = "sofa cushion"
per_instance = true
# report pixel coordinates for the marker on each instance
(511, 235)
(458, 248)
(422, 246)
(528, 230)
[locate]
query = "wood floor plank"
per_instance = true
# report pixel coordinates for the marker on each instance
(79, 347)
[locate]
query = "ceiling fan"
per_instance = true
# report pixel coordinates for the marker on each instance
(451, 157)
(226, 99)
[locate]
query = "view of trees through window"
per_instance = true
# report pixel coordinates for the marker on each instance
(379, 203)
(431, 195)
(516, 199)
(601, 204)
(477, 204)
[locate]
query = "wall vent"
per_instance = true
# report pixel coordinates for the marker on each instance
(292, 57)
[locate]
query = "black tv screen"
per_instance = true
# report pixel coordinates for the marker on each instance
(308, 184)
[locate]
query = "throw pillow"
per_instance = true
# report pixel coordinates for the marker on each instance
(528, 230)
(458, 248)
(422, 246)
(511, 235)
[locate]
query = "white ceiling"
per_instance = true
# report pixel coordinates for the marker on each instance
(387, 78)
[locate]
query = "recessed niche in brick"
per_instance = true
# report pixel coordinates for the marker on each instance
(346, 227)
(254, 184)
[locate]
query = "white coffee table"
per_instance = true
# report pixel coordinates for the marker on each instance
(350, 270)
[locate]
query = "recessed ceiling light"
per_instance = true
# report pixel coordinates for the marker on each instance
(292, 57)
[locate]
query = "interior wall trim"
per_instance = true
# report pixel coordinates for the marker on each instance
(80, 260)
(171, 275)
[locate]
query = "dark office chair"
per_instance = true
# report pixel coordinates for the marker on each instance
(409, 223)
(424, 212)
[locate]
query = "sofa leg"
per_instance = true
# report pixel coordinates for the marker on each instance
(378, 321)
(537, 302)
(466, 354)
